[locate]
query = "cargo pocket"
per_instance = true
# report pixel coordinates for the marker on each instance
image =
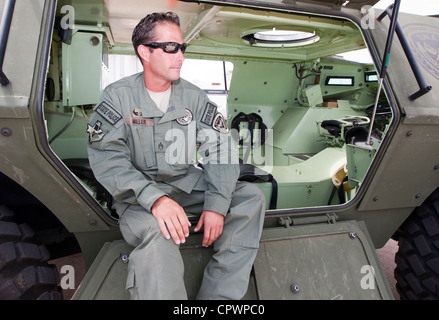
(131, 285)
(144, 156)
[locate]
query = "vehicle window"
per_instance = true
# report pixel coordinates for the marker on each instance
(339, 81)
(213, 77)
(298, 95)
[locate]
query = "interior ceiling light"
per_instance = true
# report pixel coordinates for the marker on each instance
(281, 38)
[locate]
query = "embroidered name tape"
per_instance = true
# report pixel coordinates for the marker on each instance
(147, 122)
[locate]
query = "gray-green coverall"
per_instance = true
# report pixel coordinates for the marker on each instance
(138, 153)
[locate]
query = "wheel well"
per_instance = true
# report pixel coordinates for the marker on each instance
(49, 230)
(416, 272)
(434, 194)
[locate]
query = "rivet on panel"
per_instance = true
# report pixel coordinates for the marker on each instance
(124, 258)
(6, 132)
(295, 288)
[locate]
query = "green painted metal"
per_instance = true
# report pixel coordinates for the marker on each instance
(311, 261)
(325, 261)
(82, 68)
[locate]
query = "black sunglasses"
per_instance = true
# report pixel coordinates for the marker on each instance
(168, 47)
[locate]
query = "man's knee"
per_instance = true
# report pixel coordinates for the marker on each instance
(139, 226)
(248, 192)
(247, 209)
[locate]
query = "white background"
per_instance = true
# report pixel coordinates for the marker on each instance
(422, 7)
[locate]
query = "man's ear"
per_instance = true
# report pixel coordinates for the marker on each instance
(143, 53)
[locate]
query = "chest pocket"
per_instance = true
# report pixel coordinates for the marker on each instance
(144, 156)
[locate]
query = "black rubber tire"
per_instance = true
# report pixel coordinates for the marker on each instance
(417, 259)
(24, 271)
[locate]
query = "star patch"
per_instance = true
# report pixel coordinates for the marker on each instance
(95, 133)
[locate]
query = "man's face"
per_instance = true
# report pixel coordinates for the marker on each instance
(164, 66)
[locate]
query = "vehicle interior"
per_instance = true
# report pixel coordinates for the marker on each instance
(300, 111)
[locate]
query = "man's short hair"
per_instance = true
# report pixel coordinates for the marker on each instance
(145, 29)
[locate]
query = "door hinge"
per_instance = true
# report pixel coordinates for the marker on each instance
(329, 218)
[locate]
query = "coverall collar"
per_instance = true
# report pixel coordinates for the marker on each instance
(176, 109)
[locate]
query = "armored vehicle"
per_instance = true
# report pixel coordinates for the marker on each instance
(345, 151)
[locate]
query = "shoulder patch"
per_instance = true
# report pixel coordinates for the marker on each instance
(220, 123)
(108, 113)
(209, 114)
(95, 133)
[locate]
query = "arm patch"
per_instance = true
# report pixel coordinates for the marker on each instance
(209, 114)
(95, 133)
(108, 113)
(220, 123)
